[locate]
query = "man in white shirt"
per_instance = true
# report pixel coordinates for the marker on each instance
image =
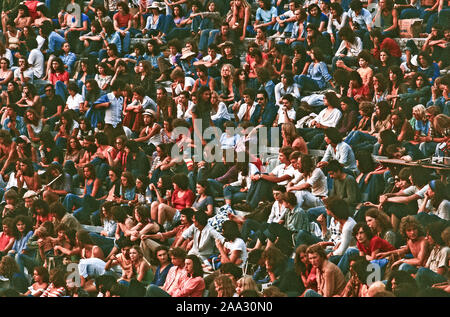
(311, 186)
(203, 236)
(286, 112)
(184, 106)
(360, 20)
(262, 184)
(249, 110)
(112, 103)
(35, 58)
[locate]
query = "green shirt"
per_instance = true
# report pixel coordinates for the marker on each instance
(296, 220)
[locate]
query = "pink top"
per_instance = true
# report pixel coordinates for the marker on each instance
(190, 287)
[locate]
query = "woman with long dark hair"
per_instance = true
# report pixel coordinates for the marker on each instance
(30, 100)
(233, 250)
(59, 77)
(317, 76)
(351, 44)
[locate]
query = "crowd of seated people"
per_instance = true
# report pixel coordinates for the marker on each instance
(224, 148)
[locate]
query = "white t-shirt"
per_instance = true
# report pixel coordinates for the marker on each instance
(238, 245)
(282, 170)
(37, 62)
(318, 182)
(443, 210)
(411, 190)
(208, 58)
(27, 74)
(73, 103)
(290, 113)
(188, 82)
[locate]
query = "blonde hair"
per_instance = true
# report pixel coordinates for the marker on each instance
(420, 109)
(375, 288)
(247, 283)
(289, 131)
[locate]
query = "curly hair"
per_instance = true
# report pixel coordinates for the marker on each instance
(409, 222)
(8, 266)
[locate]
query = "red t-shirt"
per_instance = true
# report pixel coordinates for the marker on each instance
(186, 200)
(375, 244)
(122, 20)
(54, 77)
(4, 240)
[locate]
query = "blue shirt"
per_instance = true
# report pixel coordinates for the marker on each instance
(21, 244)
(319, 73)
(265, 16)
(20, 125)
(317, 20)
(69, 60)
(160, 276)
(431, 71)
(423, 127)
(268, 115)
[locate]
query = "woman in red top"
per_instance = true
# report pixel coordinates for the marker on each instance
(59, 77)
(7, 236)
(41, 211)
(357, 90)
(182, 197)
(122, 24)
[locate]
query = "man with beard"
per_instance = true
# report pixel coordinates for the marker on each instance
(165, 105)
(150, 242)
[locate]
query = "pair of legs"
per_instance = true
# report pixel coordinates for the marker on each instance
(162, 212)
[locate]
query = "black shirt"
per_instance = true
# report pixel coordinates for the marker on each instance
(51, 105)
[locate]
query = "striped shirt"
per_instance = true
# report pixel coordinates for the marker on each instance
(51, 291)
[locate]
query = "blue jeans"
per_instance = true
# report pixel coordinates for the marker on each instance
(206, 38)
(61, 90)
(426, 278)
(315, 212)
(215, 187)
(27, 260)
(411, 269)
(233, 193)
(304, 237)
(72, 200)
(355, 137)
(305, 82)
(106, 244)
(258, 191)
(155, 291)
